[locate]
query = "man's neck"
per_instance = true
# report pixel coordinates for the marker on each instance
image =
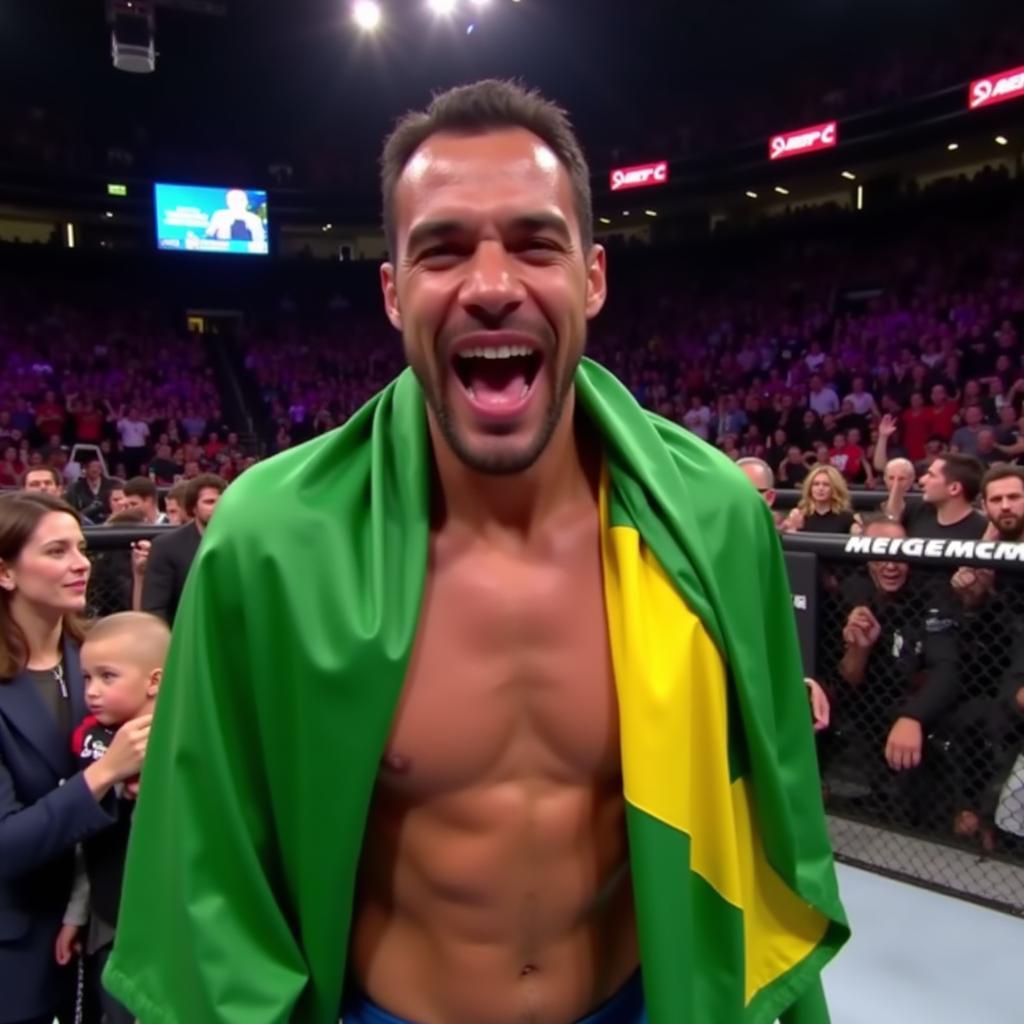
(953, 511)
(517, 503)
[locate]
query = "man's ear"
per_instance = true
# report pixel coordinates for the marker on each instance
(597, 281)
(389, 288)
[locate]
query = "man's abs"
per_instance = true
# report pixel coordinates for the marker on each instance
(507, 906)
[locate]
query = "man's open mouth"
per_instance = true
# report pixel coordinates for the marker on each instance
(499, 377)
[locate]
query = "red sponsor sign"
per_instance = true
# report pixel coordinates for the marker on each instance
(1007, 85)
(640, 176)
(806, 140)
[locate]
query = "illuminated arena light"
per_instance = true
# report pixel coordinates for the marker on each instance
(367, 14)
(443, 8)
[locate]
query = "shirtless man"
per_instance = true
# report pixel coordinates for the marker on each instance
(493, 882)
(494, 885)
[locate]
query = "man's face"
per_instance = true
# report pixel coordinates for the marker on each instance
(148, 506)
(175, 513)
(206, 503)
(492, 292)
(118, 502)
(986, 441)
(933, 482)
(887, 576)
(1004, 506)
(938, 395)
(93, 471)
(41, 480)
(756, 476)
(899, 473)
(973, 415)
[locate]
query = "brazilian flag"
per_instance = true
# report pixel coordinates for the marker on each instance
(289, 653)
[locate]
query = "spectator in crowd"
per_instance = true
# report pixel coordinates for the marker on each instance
(849, 458)
(140, 492)
(174, 503)
(824, 505)
(698, 418)
(43, 479)
(965, 438)
(118, 503)
(900, 660)
(134, 434)
(171, 556)
(46, 804)
(11, 471)
(944, 413)
(861, 400)
(759, 473)
(793, 469)
(821, 399)
(163, 468)
(90, 494)
(949, 488)
(122, 665)
(115, 584)
(986, 729)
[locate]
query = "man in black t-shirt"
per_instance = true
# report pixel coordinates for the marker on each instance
(949, 488)
(900, 662)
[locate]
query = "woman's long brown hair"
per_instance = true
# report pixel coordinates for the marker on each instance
(20, 514)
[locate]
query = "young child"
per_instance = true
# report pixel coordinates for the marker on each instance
(122, 664)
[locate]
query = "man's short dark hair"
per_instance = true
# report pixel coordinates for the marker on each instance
(489, 105)
(54, 475)
(197, 485)
(1002, 471)
(140, 487)
(964, 470)
(177, 493)
(116, 483)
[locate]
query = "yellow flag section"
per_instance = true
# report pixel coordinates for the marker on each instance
(727, 919)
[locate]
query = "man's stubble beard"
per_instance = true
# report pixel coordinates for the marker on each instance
(497, 465)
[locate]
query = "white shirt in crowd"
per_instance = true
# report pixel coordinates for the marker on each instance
(823, 401)
(698, 421)
(134, 433)
(863, 403)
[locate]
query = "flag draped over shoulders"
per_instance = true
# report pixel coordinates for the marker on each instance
(289, 653)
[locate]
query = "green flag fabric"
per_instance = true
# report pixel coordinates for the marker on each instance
(289, 653)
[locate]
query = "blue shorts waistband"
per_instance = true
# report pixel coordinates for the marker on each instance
(625, 1007)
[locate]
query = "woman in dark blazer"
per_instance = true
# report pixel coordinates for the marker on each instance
(46, 805)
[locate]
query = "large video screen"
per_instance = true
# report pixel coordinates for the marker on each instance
(197, 218)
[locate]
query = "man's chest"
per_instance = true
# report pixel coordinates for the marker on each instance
(510, 677)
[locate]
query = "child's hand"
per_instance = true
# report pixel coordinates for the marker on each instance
(67, 945)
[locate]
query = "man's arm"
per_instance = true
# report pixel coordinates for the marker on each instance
(886, 428)
(939, 662)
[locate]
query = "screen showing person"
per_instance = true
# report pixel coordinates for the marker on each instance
(193, 218)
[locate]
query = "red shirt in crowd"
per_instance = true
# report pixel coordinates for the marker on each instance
(89, 426)
(918, 426)
(849, 460)
(49, 418)
(942, 419)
